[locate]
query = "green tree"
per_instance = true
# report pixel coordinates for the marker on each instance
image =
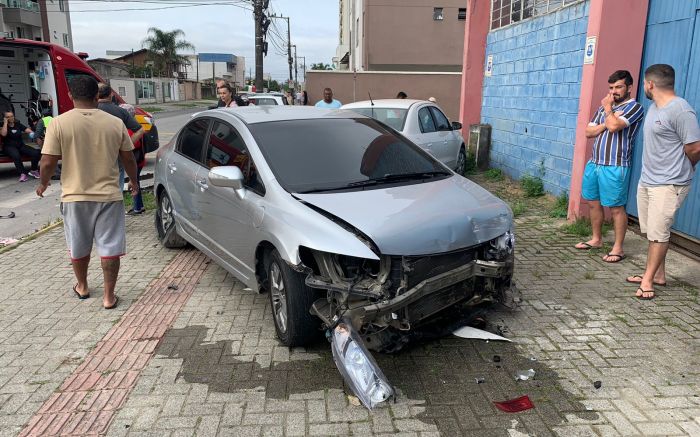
(163, 47)
(321, 66)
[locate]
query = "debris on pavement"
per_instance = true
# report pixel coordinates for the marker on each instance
(524, 375)
(496, 358)
(515, 405)
(173, 287)
(597, 384)
(354, 400)
(479, 380)
(477, 334)
(8, 216)
(7, 241)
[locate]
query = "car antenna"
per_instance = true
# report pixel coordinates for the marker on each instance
(372, 103)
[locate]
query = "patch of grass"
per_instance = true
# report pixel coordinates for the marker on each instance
(589, 275)
(581, 227)
(149, 200)
(152, 108)
(519, 207)
(470, 167)
(532, 186)
(186, 105)
(561, 206)
(494, 174)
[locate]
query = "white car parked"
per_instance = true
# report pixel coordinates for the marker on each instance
(266, 99)
(422, 122)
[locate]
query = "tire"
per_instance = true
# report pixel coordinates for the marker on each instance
(290, 301)
(461, 162)
(165, 224)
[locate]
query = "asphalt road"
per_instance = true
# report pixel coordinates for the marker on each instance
(32, 213)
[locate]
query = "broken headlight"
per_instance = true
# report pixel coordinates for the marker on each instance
(358, 367)
(502, 246)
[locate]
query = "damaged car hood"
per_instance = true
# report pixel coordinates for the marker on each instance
(419, 219)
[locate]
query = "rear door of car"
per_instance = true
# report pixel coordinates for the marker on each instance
(427, 136)
(446, 145)
(182, 168)
(230, 223)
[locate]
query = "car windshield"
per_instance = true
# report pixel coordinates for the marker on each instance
(394, 117)
(341, 154)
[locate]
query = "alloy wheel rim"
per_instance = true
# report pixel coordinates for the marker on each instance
(166, 217)
(461, 162)
(278, 294)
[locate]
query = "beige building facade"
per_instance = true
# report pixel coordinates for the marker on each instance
(401, 35)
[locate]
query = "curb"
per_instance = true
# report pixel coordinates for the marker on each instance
(32, 236)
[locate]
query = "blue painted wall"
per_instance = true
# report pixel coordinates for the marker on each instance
(531, 99)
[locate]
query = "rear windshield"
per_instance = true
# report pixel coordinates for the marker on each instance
(394, 117)
(263, 101)
(329, 154)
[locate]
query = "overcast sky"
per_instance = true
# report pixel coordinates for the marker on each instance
(218, 28)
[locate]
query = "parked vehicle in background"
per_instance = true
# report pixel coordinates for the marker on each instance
(34, 77)
(348, 225)
(267, 99)
(422, 122)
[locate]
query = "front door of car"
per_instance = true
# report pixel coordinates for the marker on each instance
(230, 221)
(428, 136)
(182, 168)
(446, 145)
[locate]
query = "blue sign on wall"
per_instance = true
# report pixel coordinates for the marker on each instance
(216, 57)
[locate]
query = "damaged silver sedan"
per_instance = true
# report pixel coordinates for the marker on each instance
(352, 229)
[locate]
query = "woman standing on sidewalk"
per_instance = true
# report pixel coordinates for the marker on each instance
(226, 95)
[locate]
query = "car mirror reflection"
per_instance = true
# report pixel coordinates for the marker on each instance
(226, 176)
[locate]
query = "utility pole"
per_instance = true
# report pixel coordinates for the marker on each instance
(289, 44)
(259, 17)
(296, 72)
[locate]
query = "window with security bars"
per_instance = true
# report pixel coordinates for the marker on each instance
(505, 12)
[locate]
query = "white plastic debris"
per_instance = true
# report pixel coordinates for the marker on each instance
(524, 375)
(478, 334)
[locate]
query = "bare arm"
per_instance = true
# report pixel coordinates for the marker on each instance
(692, 151)
(3, 131)
(614, 123)
(593, 131)
(136, 136)
(48, 167)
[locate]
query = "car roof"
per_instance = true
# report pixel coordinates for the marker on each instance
(263, 114)
(253, 95)
(385, 103)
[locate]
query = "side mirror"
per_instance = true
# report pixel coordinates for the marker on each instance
(226, 176)
(456, 125)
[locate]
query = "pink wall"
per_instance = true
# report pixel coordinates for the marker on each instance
(619, 47)
(475, 32)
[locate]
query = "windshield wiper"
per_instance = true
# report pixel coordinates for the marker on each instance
(376, 181)
(398, 177)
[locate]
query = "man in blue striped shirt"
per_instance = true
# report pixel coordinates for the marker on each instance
(607, 174)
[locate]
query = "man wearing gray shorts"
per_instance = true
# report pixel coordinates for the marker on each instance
(88, 142)
(671, 150)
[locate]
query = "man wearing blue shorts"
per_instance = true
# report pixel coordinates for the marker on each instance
(607, 174)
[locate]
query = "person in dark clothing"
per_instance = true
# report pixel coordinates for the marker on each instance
(13, 146)
(40, 134)
(106, 104)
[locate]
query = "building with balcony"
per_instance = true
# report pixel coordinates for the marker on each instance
(41, 20)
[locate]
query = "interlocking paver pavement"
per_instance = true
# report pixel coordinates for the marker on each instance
(220, 371)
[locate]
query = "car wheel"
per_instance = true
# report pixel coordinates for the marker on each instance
(165, 223)
(290, 301)
(461, 162)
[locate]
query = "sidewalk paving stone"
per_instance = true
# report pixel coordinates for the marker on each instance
(219, 369)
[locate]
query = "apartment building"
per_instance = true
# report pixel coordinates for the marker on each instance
(401, 35)
(41, 20)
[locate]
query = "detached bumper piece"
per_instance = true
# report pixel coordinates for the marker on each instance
(360, 372)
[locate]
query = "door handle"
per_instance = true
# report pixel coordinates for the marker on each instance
(172, 168)
(202, 184)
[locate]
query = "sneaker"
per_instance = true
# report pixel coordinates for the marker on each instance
(23, 178)
(134, 212)
(35, 174)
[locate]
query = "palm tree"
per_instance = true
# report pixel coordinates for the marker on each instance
(163, 47)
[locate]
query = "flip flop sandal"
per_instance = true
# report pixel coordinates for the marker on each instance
(586, 246)
(114, 305)
(645, 291)
(80, 296)
(662, 284)
(619, 258)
